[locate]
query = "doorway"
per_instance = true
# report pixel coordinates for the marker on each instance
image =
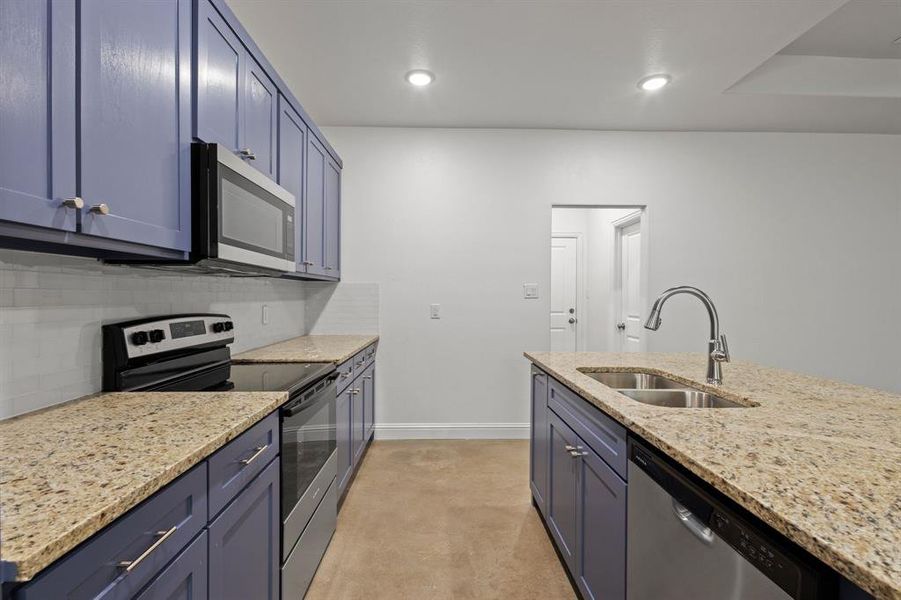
(597, 279)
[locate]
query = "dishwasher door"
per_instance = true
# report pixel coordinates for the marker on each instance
(672, 555)
(686, 543)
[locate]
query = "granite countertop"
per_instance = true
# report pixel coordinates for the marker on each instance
(70, 470)
(818, 460)
(309, 348)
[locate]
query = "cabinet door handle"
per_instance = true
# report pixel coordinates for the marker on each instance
(309, 263)
(100, 209)
(247, 153)
(577, 454)
(130, 565)
(259, 450)
(75, 202)
(367, 376)
(355, 391)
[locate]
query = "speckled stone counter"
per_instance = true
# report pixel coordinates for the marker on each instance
(818, 460)
(70, 470)
(309, 348)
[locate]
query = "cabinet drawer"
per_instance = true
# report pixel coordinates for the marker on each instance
(369, 354)
(237, 463)
(144, 540)
(359, 363)
(602, 434)
(345, 374)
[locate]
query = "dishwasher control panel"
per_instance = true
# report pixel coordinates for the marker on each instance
(763, 555)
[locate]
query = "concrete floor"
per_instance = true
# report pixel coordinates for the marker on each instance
(441, 519)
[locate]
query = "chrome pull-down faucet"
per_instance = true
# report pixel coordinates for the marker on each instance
(717, 348)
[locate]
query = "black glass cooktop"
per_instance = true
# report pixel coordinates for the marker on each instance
(276, 377)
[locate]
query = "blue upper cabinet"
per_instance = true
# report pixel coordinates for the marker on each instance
(37, 113)
(260, 119)
(314, 213)
(135, 114)
(219, 81)
(236, 101)
(332, 218)
(292, 144)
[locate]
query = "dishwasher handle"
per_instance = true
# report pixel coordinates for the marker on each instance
(693, 524)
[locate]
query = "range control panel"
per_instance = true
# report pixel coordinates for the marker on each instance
(147, 337)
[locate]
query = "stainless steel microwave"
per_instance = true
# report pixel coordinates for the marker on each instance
(242, 222)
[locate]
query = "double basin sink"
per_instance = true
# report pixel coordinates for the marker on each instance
(660, 391)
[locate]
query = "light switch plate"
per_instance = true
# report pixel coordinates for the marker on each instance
(435, 311)
(530, 291)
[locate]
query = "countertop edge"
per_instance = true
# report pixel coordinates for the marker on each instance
(27, 568)
(241, 358)
(845, 565)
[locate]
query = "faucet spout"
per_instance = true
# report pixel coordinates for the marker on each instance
(718, 349)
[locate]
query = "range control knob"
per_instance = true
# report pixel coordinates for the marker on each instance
(139, 338)
(157, 335)
(218, 327)
(229, 325)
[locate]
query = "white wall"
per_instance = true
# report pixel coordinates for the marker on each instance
(52, 309)
(795, 236)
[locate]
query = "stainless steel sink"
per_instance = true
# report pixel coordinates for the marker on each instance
(636, 381)
(660, 391)
(684, 398)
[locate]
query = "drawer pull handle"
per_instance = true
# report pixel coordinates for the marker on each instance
(259, 450)
(354, 391)
(367, 376)
(130, 565)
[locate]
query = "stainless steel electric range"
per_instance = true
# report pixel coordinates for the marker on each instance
(190, 352)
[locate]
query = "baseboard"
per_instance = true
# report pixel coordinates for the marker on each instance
(452, 431)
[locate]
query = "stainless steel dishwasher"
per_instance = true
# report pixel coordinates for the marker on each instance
(686, 544)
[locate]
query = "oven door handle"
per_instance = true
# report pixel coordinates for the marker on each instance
(305, 403)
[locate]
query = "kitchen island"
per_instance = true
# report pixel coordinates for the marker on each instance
(817, 460)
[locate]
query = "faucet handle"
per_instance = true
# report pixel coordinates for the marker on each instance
(721, 350)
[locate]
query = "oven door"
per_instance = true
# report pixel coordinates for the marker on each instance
(309, 461)
(255, 216)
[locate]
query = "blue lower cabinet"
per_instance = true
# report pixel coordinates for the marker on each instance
(244, 542)
(601, 535)
(562, 494)
(343, 420)
(368, 402)
(538, 446)
(185, 578)
(356, 419)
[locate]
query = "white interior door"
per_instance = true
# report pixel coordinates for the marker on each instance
(630, 325)
(564, 293)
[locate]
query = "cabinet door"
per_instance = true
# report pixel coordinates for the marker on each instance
(219, 79)
(332, 218)
(260, 118)
(344, 406)
(292, 145)
(601, 518)
(356, 423)
(538, 447)
(244, 542)
(185, 578)
(314, 214)
(562, 488)
(368, 402)
(37, 112)
(135, 115)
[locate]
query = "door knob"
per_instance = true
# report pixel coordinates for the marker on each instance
(75, 202)
(571, 320)
(100, 209)
(621, 326)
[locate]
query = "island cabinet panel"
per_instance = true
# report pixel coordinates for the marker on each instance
(185, 578)
(118, 562)
(219, 80)
(562, 493)
(135, 120)
(601, 518)
(244, 542)
(37, 113)
(538, 447)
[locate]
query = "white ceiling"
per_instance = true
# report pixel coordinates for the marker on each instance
(552, 64)
(859, 29)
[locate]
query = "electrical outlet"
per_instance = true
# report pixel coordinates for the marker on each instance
(435, 311)
(265, 314)
(530, 291)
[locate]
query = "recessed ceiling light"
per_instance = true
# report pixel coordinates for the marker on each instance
(420, 77)
(653, 83)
